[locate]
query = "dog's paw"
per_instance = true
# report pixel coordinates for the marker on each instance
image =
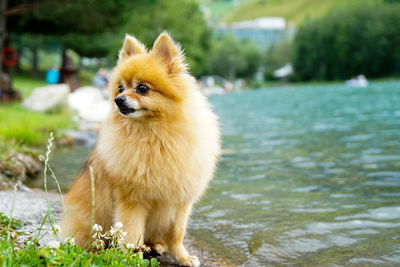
(159, 248)
(190, 261)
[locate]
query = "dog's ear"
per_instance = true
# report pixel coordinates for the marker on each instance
(130, 47)
(170, 53)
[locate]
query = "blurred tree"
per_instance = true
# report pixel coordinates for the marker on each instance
(362, 39)
(92, 45)
(78, 24)
(278, 55)
(252, 58)
(27, 44)
(231, 59)
(87, 18)
(182, 18)
(225, 58)
(62, 17)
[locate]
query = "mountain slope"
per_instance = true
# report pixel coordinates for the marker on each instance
(294, 11)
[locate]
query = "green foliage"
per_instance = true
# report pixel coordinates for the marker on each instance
(25, 127)
(182, 18)
(67, 255)
(80, 25)
(347, 42)
(216, 9)
(230, 59)
(26, 84)
(58, 17)
(88, 45)
(14, 252)
(252, 59)
(294, 11)
(95, 28)
(6, 222)
(278, 55)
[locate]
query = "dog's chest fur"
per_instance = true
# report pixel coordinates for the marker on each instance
(151, 163)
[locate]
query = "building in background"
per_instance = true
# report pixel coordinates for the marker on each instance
(263, 32)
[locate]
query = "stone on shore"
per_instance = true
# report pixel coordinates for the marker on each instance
(47, 98)
(16, 168)
(30, 208)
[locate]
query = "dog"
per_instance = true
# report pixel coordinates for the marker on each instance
(156, 153)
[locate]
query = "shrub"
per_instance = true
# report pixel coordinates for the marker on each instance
(349, 41)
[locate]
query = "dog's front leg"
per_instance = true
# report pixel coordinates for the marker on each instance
(133, 217)
(175, 238)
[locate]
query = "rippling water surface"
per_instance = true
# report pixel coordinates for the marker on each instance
(310, 176)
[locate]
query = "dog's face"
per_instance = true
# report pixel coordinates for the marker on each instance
(149, 85)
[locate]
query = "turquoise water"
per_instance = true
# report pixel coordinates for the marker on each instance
(311, 176)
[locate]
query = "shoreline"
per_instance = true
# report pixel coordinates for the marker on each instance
(30, 207)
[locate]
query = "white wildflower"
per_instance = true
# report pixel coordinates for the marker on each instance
(112, 231)
(97, 228)
(117, 233)
(57, 228)
(119, 225)
(54, 244)
(97, 232)
(70, 241)
(130, 246)
(98, 244)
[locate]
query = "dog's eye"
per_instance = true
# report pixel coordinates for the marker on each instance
(120, 89)
(142, 89)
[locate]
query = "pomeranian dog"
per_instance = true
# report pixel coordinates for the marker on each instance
(155, 156)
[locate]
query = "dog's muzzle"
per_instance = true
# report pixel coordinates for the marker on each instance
(122, 105)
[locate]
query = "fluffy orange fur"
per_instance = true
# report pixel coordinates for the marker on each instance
(152, 166)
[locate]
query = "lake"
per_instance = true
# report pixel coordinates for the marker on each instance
(311, 176)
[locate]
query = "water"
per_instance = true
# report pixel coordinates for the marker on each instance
(312, 177)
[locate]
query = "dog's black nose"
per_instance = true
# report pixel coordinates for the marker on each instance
(120, 100)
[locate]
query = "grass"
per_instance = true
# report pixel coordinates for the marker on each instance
(21, 127)
(294, 11)
(17, 252)
(26, 250)
(219, 8)
(25, 83)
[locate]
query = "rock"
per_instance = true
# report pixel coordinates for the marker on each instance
(47, 98)
(12, 171)
(5, 183)
(90, 104)
(23, 188)
(83, 138)
(32, 166)
(16, 168)
(30, 208)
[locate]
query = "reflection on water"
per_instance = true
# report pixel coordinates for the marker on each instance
(312, 177)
